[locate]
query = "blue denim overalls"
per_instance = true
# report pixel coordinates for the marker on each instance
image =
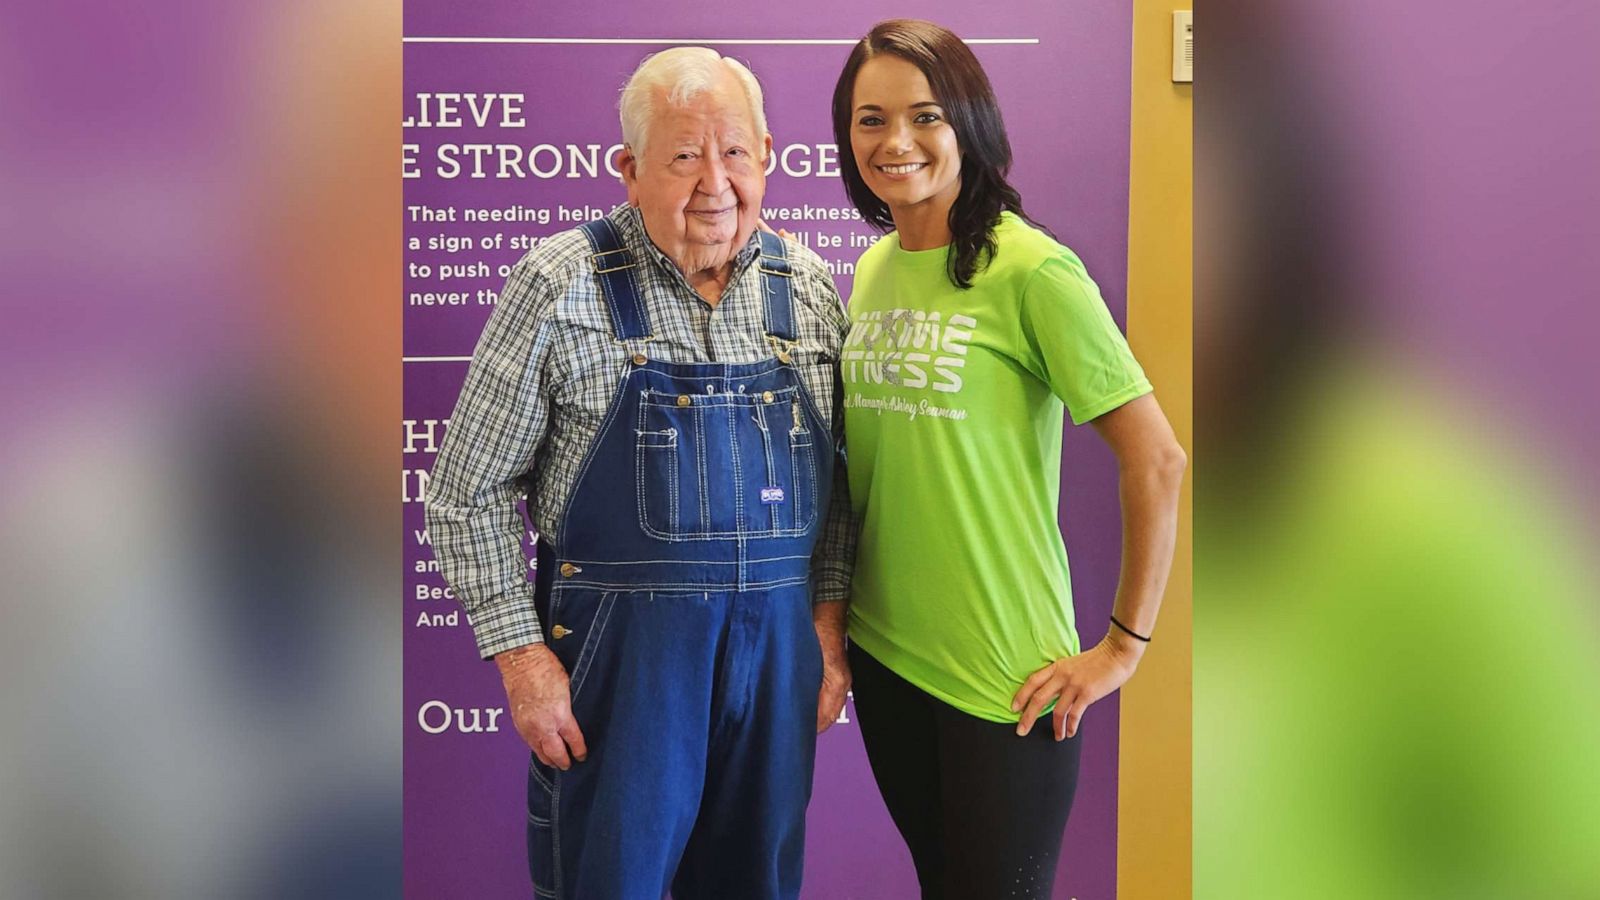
(677, 597)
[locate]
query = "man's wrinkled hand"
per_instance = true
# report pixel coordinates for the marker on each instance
(541, 704)
(835, 664)
(835, 685)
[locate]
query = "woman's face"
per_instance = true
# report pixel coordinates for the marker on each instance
(902, 142)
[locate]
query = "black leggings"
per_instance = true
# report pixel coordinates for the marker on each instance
(981, 809)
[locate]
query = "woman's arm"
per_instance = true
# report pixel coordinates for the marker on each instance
(1150, 466)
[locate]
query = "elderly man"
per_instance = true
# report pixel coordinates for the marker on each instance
(661, 381)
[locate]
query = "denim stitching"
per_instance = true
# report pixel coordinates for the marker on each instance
(752, 534)
(756, 369)
(811, 464)
(795, 447)
(533, 770)
(682, 371)
(674, 506)
(725, 397)
(766, 449)
(642, 316)
(674, 529)
(693, 586)
(641, 482)
(638, 464)
(591, 646)
(555, 833)
(703, 485)
(738, 476)
(594, 244)
(712, 562)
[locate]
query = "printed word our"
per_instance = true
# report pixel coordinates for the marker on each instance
(436, 717)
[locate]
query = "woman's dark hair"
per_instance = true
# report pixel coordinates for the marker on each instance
(962, 89)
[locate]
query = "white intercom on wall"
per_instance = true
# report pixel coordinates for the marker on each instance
(1183, 45)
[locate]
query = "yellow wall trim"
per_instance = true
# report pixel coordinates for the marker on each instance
(1154, 782)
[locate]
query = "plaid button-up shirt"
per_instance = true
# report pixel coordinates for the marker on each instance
(540, 381)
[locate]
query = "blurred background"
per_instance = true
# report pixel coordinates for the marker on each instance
(1396, 414)
(1396, 623)
(199, 514)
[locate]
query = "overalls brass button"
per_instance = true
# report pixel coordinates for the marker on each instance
(639, 359)
(766, 396)
(560, 632)
(683, 399)
(568, 570)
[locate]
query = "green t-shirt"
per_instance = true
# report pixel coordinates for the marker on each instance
(953, 416)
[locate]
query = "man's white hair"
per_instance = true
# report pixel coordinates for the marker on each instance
(682, 73)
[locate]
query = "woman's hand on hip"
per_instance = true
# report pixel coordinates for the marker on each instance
(1074, 682)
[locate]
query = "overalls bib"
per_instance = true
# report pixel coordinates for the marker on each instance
(677, 596)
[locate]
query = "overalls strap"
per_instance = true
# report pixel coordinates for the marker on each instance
(614, 264)
(776, 293)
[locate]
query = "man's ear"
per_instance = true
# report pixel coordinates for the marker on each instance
(766, 155)
(628, 165)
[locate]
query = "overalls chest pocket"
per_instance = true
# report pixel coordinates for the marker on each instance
(734, 464)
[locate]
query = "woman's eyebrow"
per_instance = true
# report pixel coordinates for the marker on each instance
(875, 108)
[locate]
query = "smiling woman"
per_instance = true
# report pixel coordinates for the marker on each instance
(941, 90)
(978, 332)
(905, 150)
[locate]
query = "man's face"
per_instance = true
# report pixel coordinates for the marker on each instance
(699, 179)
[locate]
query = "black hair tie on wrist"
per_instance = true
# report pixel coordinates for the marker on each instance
(1129, 630)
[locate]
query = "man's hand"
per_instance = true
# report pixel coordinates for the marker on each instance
(781, 232)
(829, 620)
(541, 705)
(1075, 682)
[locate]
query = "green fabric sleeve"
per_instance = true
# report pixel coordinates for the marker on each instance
(1073, 344)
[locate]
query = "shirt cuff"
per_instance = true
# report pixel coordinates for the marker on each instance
(830, 581)
(505, 624)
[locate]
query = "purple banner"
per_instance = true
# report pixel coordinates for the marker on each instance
(507, 140)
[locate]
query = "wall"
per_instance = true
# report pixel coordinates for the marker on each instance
(1153, 808)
